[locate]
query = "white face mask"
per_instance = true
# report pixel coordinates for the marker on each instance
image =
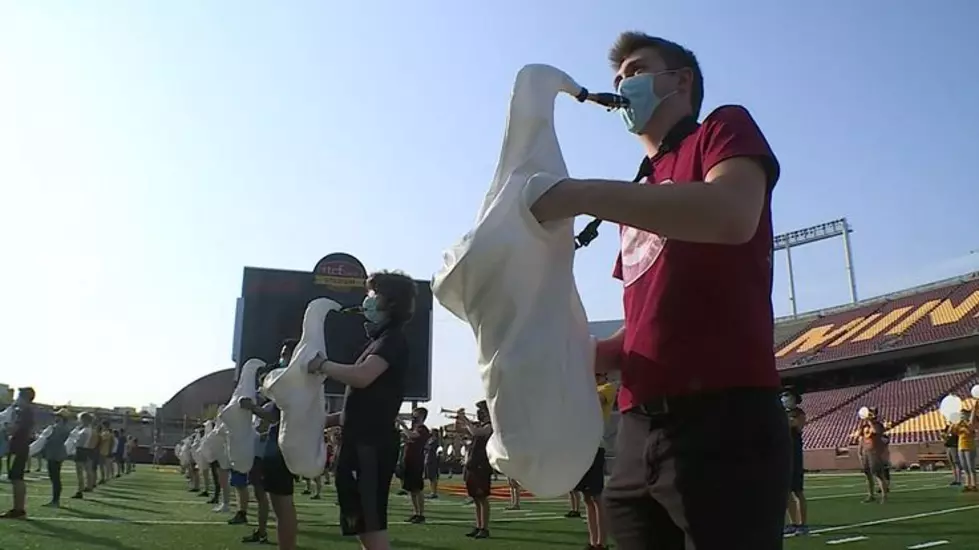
(788, 401)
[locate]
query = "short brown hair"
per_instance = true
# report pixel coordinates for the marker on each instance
(674, 55)
(399, 292)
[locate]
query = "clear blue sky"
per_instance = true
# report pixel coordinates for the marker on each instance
(149, 150)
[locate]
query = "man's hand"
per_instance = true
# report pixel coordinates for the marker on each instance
(559, 202)
(246, 403)
(315, 365)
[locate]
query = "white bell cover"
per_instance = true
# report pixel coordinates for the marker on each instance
(299, 396)
(511, 279)
(238, 421)
(951, 408)
(71, 443)
(38, 444)
(195, 450)
(7, 416)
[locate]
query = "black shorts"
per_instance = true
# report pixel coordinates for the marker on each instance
(255, 474)
(432, 469)
(479, 480)
(276, 477)
(18, 466)
(363, 483)
(593, 482)
(672, 481)
(414, 477)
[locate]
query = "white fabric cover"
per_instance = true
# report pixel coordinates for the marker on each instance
(7, 416)
(71, 443)
(238, 421)
(38, 444)
(186, 452)
(511, 280)
(214, 444)
(299, 395)
(195, 450)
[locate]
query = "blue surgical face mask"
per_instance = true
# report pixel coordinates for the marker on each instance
(643, 101)
(371, 312)
(283, 362)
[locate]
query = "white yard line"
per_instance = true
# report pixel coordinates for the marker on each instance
(931, 544)
(894, 519)
(846, 540)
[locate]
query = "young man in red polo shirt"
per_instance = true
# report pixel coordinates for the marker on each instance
(703, 444)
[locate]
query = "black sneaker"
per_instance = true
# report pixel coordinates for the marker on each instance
(257, 536)
(14, 514)
(573, 514)
(78, 495)
(482, 534)
(474, 532)
(239, 518)
(417, 520)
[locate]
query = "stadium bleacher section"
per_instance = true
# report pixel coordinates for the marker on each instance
(901, 353)
(948, 312)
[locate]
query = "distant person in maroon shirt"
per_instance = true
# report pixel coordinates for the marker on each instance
(20, 444)
(416, 439)
(703, 442)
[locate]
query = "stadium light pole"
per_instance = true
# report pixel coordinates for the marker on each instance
(829, 230)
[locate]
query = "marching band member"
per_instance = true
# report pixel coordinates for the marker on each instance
(966, 430)
(478, 473)
(873, 450)
(277, 481)
(20, 443)
(416, 439)
(798, 524)
(375, 392)
(55, 453)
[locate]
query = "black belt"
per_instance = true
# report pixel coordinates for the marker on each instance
(662, 406)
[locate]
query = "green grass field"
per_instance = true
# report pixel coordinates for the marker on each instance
(151, 509)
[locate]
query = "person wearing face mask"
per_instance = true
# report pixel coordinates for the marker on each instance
(696, 344)
(276, 479)
(798, 524)
(375, 391)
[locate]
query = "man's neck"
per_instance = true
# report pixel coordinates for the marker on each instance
(657, 130)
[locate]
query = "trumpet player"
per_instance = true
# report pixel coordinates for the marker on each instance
(478, 472)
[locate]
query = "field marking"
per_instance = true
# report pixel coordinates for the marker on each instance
(846, 495)
(846, 540)
(894, 519)
(927, 544)
(549, 517)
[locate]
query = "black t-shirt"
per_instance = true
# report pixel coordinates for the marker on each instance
(369, 413)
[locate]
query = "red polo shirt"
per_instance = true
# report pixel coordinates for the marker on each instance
(698, 317)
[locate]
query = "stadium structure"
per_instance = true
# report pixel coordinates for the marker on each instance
(902, 352)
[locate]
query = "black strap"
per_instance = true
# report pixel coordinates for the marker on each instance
(590, 232)
(674, 137)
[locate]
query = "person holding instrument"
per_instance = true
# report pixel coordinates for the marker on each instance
(416, 439)
(873, 453)
(276, 479)
(375, 391)
(695, 264)
(478, 473)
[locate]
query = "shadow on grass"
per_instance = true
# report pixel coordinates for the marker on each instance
(64, 534)
(126, 506)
